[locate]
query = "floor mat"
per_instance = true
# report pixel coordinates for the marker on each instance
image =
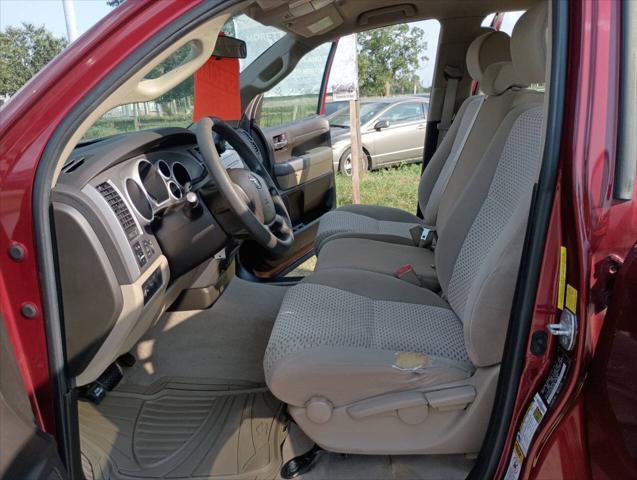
(227, 340)
(183, 429)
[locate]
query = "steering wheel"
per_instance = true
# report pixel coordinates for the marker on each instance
(253, 198)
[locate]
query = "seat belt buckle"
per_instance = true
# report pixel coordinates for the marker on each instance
(407, 273)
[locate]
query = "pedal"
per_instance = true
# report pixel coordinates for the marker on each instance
(127, 360)
(302, 464)
(107, 381)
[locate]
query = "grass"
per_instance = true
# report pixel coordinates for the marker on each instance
(390, 187)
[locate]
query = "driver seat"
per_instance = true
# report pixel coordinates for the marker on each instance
(368, 363)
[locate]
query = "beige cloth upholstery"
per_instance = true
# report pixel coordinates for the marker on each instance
(380, 257)
(529, 43)
(393, 225)
(366, 221)
(384, 257)
(368, 354)
(337, 342)
(489, 48)
(500, 77)
(503, 98)
(477, 269)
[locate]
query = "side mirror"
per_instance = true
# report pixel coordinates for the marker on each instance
(380, 124)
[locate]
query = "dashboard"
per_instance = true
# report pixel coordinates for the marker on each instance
(132, 233)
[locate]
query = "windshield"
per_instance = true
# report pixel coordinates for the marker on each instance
(368, 111)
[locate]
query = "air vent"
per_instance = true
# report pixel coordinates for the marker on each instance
(196, 152)
(73, 165)
(121, 210)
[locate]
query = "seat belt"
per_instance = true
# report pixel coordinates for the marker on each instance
(430, 213)
(452, 76)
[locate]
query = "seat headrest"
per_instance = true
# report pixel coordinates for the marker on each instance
(488, 48)
(499, 77)
(529, 44)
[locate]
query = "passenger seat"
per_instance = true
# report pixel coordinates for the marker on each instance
(501, 83)
(371, 365)
(394, 225)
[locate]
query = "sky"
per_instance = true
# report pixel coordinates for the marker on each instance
(50, 13)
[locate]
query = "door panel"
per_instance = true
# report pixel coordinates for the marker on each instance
(305, 168)
(302, 151)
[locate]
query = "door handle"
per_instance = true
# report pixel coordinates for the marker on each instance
(279, 142)
(280, 145)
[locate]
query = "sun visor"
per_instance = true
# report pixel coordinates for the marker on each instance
(217, 89)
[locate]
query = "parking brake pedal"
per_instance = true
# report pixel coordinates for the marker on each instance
(107, 381)
(301, 464)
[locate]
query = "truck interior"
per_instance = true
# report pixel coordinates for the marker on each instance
(192, 350)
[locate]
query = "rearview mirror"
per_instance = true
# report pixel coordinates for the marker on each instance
(380, 124)
(230, 47)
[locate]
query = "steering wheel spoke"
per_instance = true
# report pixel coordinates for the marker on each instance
(253, 198)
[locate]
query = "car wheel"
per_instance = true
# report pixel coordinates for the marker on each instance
(345, 164)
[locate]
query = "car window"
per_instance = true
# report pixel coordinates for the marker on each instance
(298, 95)
(258, 37)
(368, 111)
(333, 107)
(504, 22)
(404, 113)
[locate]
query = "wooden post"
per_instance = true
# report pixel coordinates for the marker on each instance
(347, 89)
(356, 151)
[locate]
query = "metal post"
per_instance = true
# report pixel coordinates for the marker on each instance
(69, 17)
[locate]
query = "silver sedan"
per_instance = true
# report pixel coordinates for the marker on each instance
(392, 132)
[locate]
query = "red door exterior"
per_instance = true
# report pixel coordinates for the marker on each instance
(599, 233)
(585, 219)
(27, 123)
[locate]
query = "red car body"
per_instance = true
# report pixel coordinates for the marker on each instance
(585, 218)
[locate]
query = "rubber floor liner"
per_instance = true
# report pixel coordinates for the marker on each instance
(183, 430)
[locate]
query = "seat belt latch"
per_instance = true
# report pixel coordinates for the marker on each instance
(422, 236)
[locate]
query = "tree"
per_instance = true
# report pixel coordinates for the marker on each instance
(24, 51)
(182, 91)
(388, 60)
(114, 3)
